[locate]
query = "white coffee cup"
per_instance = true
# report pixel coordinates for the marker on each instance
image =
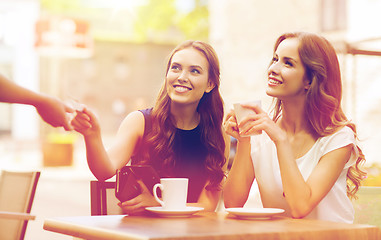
(174, 193)
(242, 112)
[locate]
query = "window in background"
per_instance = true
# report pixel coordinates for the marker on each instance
(333, 15)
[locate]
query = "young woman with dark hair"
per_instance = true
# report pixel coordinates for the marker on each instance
(181, 136)
(307, 159)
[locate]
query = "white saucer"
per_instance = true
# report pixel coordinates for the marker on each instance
(255, 213)
(188, 211)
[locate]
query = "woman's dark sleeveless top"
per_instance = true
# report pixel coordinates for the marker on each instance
(189, 155)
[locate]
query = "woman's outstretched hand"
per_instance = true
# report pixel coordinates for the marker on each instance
(85, 122)
(54, 112)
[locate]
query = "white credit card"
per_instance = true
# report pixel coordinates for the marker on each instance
(77, 105)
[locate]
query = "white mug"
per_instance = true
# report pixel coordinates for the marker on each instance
(242, 112)
(174, 193)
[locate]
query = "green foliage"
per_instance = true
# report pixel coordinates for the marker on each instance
(154, 18)
(69, 8)
(195, 24)
(374, 175)
(158, 18)
(59, 6)
(153, 21)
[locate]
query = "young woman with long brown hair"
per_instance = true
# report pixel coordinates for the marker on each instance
(307, 159)
(181, 136)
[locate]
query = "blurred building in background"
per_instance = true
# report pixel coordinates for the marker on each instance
(244, 33)
(19, 62)
(111, 55)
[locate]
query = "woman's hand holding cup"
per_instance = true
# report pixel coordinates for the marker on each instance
(246, 115)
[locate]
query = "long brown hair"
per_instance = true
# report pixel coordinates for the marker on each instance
(323, 101)
(210, 108)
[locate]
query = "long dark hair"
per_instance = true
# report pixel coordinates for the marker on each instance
(160, 140)
(323, 101)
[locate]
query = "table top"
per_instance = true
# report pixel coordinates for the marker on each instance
(16, 215)
(206, 226)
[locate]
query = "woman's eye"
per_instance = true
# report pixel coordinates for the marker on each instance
(288, 63)
(174, 67)
(275, 59)
(195, 71)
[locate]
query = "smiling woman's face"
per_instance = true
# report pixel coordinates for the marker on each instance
(188, 77)
(286, 74)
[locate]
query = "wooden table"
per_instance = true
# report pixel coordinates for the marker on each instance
(205, 226)
(16, 215)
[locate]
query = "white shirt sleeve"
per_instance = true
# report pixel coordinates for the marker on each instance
(341, 138)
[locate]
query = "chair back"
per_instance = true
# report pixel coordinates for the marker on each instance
(367, 206)
(103, 200)
(17, 190)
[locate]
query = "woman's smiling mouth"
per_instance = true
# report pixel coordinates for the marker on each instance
(181, 89)
(274, 82)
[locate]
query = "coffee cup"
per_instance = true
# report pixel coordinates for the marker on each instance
(174, 192)
(242, 112)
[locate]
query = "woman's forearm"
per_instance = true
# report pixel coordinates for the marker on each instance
(240, 177)
(296, 190)
(97, 158)
(10, 92)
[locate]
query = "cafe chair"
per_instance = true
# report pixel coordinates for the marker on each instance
(17, 190)
(367, 206)
(103, 200)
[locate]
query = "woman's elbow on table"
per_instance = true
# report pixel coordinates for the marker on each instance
(102, 174)
(301, 210)
(231, 202)
(234, 197)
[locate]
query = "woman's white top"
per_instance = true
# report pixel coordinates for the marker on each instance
(335, 206)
